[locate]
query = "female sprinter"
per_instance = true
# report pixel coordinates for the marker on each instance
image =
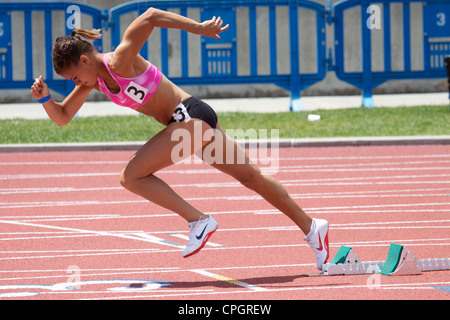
(131, 81)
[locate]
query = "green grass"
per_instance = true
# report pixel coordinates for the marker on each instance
(354, 122)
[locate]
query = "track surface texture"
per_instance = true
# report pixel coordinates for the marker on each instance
(68, 230)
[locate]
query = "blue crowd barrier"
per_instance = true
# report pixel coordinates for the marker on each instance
(236, 58)
(219, 59)
(436, 42)
(7, 9)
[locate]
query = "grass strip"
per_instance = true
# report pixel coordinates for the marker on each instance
(352, 122)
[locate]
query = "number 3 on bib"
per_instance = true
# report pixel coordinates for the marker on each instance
(136, 92)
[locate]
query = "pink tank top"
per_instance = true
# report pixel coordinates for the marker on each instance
(134, 92)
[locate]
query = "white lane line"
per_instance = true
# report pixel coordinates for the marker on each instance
(379, 209)
(213, 171)
(318, 158)
(445, 242)
(140, 237)
(149, 235)
(32, 204)
(303, 182)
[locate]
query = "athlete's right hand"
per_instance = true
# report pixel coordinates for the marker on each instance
(212, 28)
(39, 89)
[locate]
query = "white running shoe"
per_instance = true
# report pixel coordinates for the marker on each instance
(200, 232)
(317, 239)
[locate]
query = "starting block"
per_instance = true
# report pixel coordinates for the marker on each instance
(347, 262)
(399, 261)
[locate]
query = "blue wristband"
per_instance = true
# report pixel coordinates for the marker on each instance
(44, 100)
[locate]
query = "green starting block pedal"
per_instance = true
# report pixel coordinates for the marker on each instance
(392, 259)
(400, 262)
(342, 254)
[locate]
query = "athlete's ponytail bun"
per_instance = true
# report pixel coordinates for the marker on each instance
(90, 35)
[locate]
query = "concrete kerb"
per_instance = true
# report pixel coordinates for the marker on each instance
(282, 143)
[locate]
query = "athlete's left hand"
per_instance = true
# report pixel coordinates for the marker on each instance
(212, 28)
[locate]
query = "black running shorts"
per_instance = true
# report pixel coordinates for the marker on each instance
(194, 108)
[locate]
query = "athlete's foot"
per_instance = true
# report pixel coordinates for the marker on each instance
(200, 232)
(317, 239)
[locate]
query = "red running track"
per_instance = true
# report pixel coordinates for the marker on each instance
(69, 231)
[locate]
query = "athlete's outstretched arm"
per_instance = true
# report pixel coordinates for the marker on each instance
(141, 28)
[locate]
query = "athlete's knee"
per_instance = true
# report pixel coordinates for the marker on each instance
(127, 180)
(124, 181)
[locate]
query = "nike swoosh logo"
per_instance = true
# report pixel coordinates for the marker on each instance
(320, 248)
(201, 234)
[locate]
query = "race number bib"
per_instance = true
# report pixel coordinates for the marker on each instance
(180, 114)
(136, 92)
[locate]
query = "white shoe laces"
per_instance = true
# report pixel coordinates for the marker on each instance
(193, 224)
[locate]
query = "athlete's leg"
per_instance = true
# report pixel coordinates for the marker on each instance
(265, 185)
(138, 176)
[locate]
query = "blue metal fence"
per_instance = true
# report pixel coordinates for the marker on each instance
(24, 11)
(436, 33)
(219, 59)
(236, 58)
(436, 42)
